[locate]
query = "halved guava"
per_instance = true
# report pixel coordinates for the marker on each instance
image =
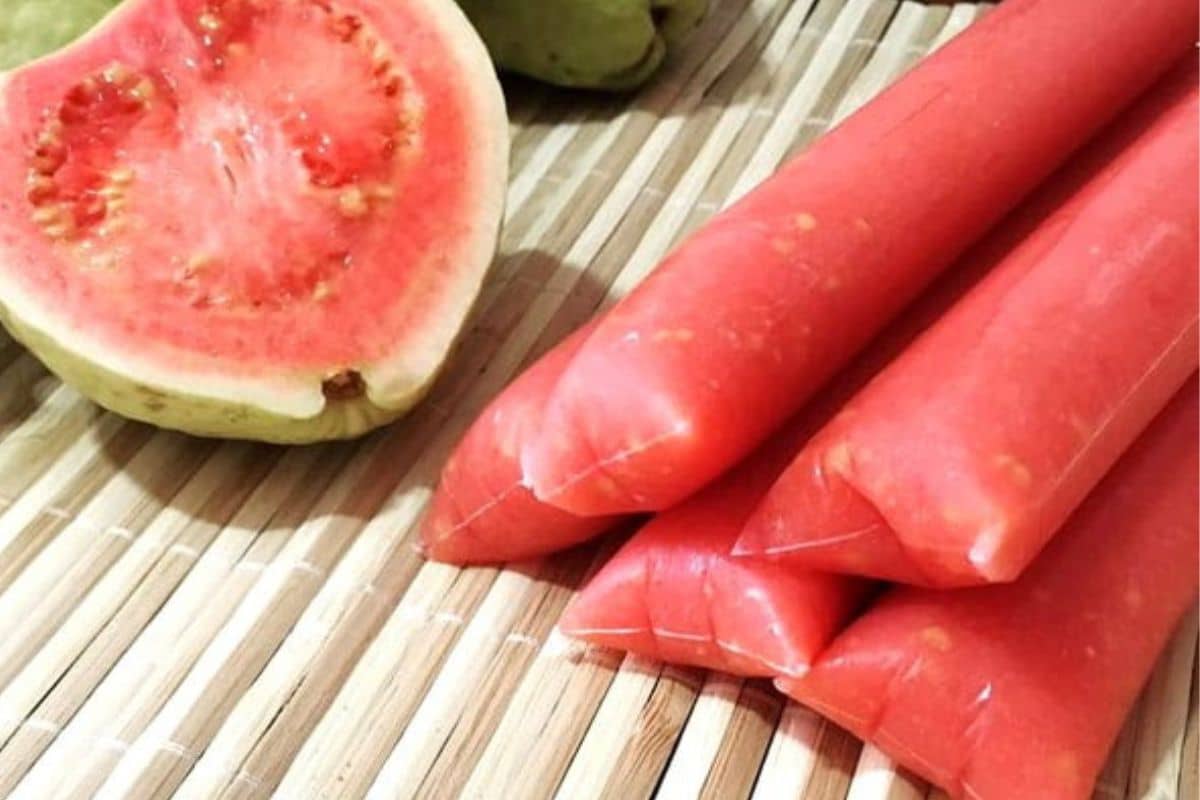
(262, 219)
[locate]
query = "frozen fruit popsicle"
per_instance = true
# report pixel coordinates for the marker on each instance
(481, 513)
(960, 460)
(673, 592)
(744, 321)
(1018, 690)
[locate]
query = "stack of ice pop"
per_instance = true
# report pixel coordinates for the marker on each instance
(969, 543)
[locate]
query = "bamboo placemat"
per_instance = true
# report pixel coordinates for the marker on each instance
(225, 620)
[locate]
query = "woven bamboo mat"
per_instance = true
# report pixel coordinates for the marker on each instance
(224, 620)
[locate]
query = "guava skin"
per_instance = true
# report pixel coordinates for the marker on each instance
(200, 416)
(593, 44)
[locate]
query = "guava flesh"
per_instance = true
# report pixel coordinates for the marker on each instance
(247, 188)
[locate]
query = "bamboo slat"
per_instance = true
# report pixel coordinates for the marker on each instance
(221, 620)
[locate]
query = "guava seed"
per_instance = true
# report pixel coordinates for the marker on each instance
(47, 215)
(40, 188)
(208, 21)
(116, 74)
(346, 26)
(47, 159)
(90, 210)
(352, 203)
(143, 91)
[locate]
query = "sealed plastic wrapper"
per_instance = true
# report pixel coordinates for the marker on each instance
(746, 320)
(1020, 689)
(481, 512)
(959, 461)
(675, 593)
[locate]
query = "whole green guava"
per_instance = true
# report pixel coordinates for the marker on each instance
(595, 44)
(33, 28)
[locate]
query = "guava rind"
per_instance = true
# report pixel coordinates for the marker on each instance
(193, 413)
(594, 44)
(198, 405)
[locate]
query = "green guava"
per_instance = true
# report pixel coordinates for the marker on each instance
(262, 219)
(596, 44)
(31, 28)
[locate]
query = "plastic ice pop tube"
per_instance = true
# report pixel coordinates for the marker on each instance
(750, 315)
(481, 512)
(675, 592)
(1019, 689)
(960, 460)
